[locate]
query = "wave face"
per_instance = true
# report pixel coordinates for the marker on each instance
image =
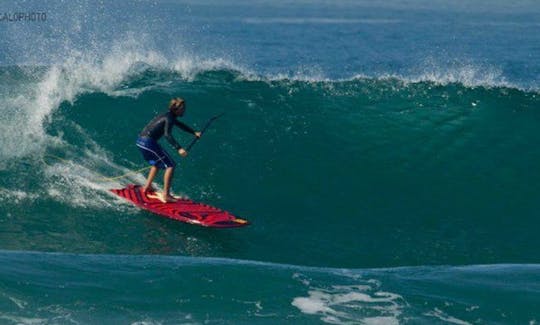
(332, 173)
(356, 136)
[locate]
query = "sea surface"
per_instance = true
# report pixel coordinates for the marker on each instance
(385, 153)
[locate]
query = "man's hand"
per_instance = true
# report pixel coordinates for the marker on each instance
(198, 134)
(182, 152)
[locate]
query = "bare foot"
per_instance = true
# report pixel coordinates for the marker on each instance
(163, 198)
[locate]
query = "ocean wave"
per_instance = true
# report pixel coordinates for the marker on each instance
(114, 74)
(416, 271)
(130, 70)
(197, 289)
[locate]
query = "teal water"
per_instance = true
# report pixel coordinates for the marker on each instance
(330, 173)
(385, 156)
(356, 174)
(153, 290)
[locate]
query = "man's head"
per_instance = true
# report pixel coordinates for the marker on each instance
(177, 106)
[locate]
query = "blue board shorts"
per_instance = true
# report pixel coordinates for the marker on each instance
(154, 153)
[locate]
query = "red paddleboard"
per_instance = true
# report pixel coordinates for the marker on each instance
(183, 210)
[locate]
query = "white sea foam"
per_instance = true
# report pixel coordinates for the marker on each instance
(79, 184)
(18, 302)
(468, 74)
(75, 179)
(355, 303)
(29, 108)
(75, 185)
(439, 314)
(189, 67)
(16, 196)
(23, 320)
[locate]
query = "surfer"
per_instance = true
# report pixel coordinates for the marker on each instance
(156, 156)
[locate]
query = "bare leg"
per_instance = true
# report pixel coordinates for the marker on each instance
(164, 196)
(167, 182)
(150, 179)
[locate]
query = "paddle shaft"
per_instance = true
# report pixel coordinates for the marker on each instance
(203, 130)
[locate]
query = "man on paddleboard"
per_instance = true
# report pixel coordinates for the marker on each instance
(156, 156)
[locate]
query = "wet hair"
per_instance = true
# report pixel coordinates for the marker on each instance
(175, 103)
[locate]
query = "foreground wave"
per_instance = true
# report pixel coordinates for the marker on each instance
(60, 288)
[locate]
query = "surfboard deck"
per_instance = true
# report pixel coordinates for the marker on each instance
(183, 210)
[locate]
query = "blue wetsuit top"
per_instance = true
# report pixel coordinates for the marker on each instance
(162, 125)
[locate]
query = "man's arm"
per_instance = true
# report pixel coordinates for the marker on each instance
(184, 127)
(168, 135)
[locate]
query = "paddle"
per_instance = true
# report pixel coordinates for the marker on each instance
(203, 130)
